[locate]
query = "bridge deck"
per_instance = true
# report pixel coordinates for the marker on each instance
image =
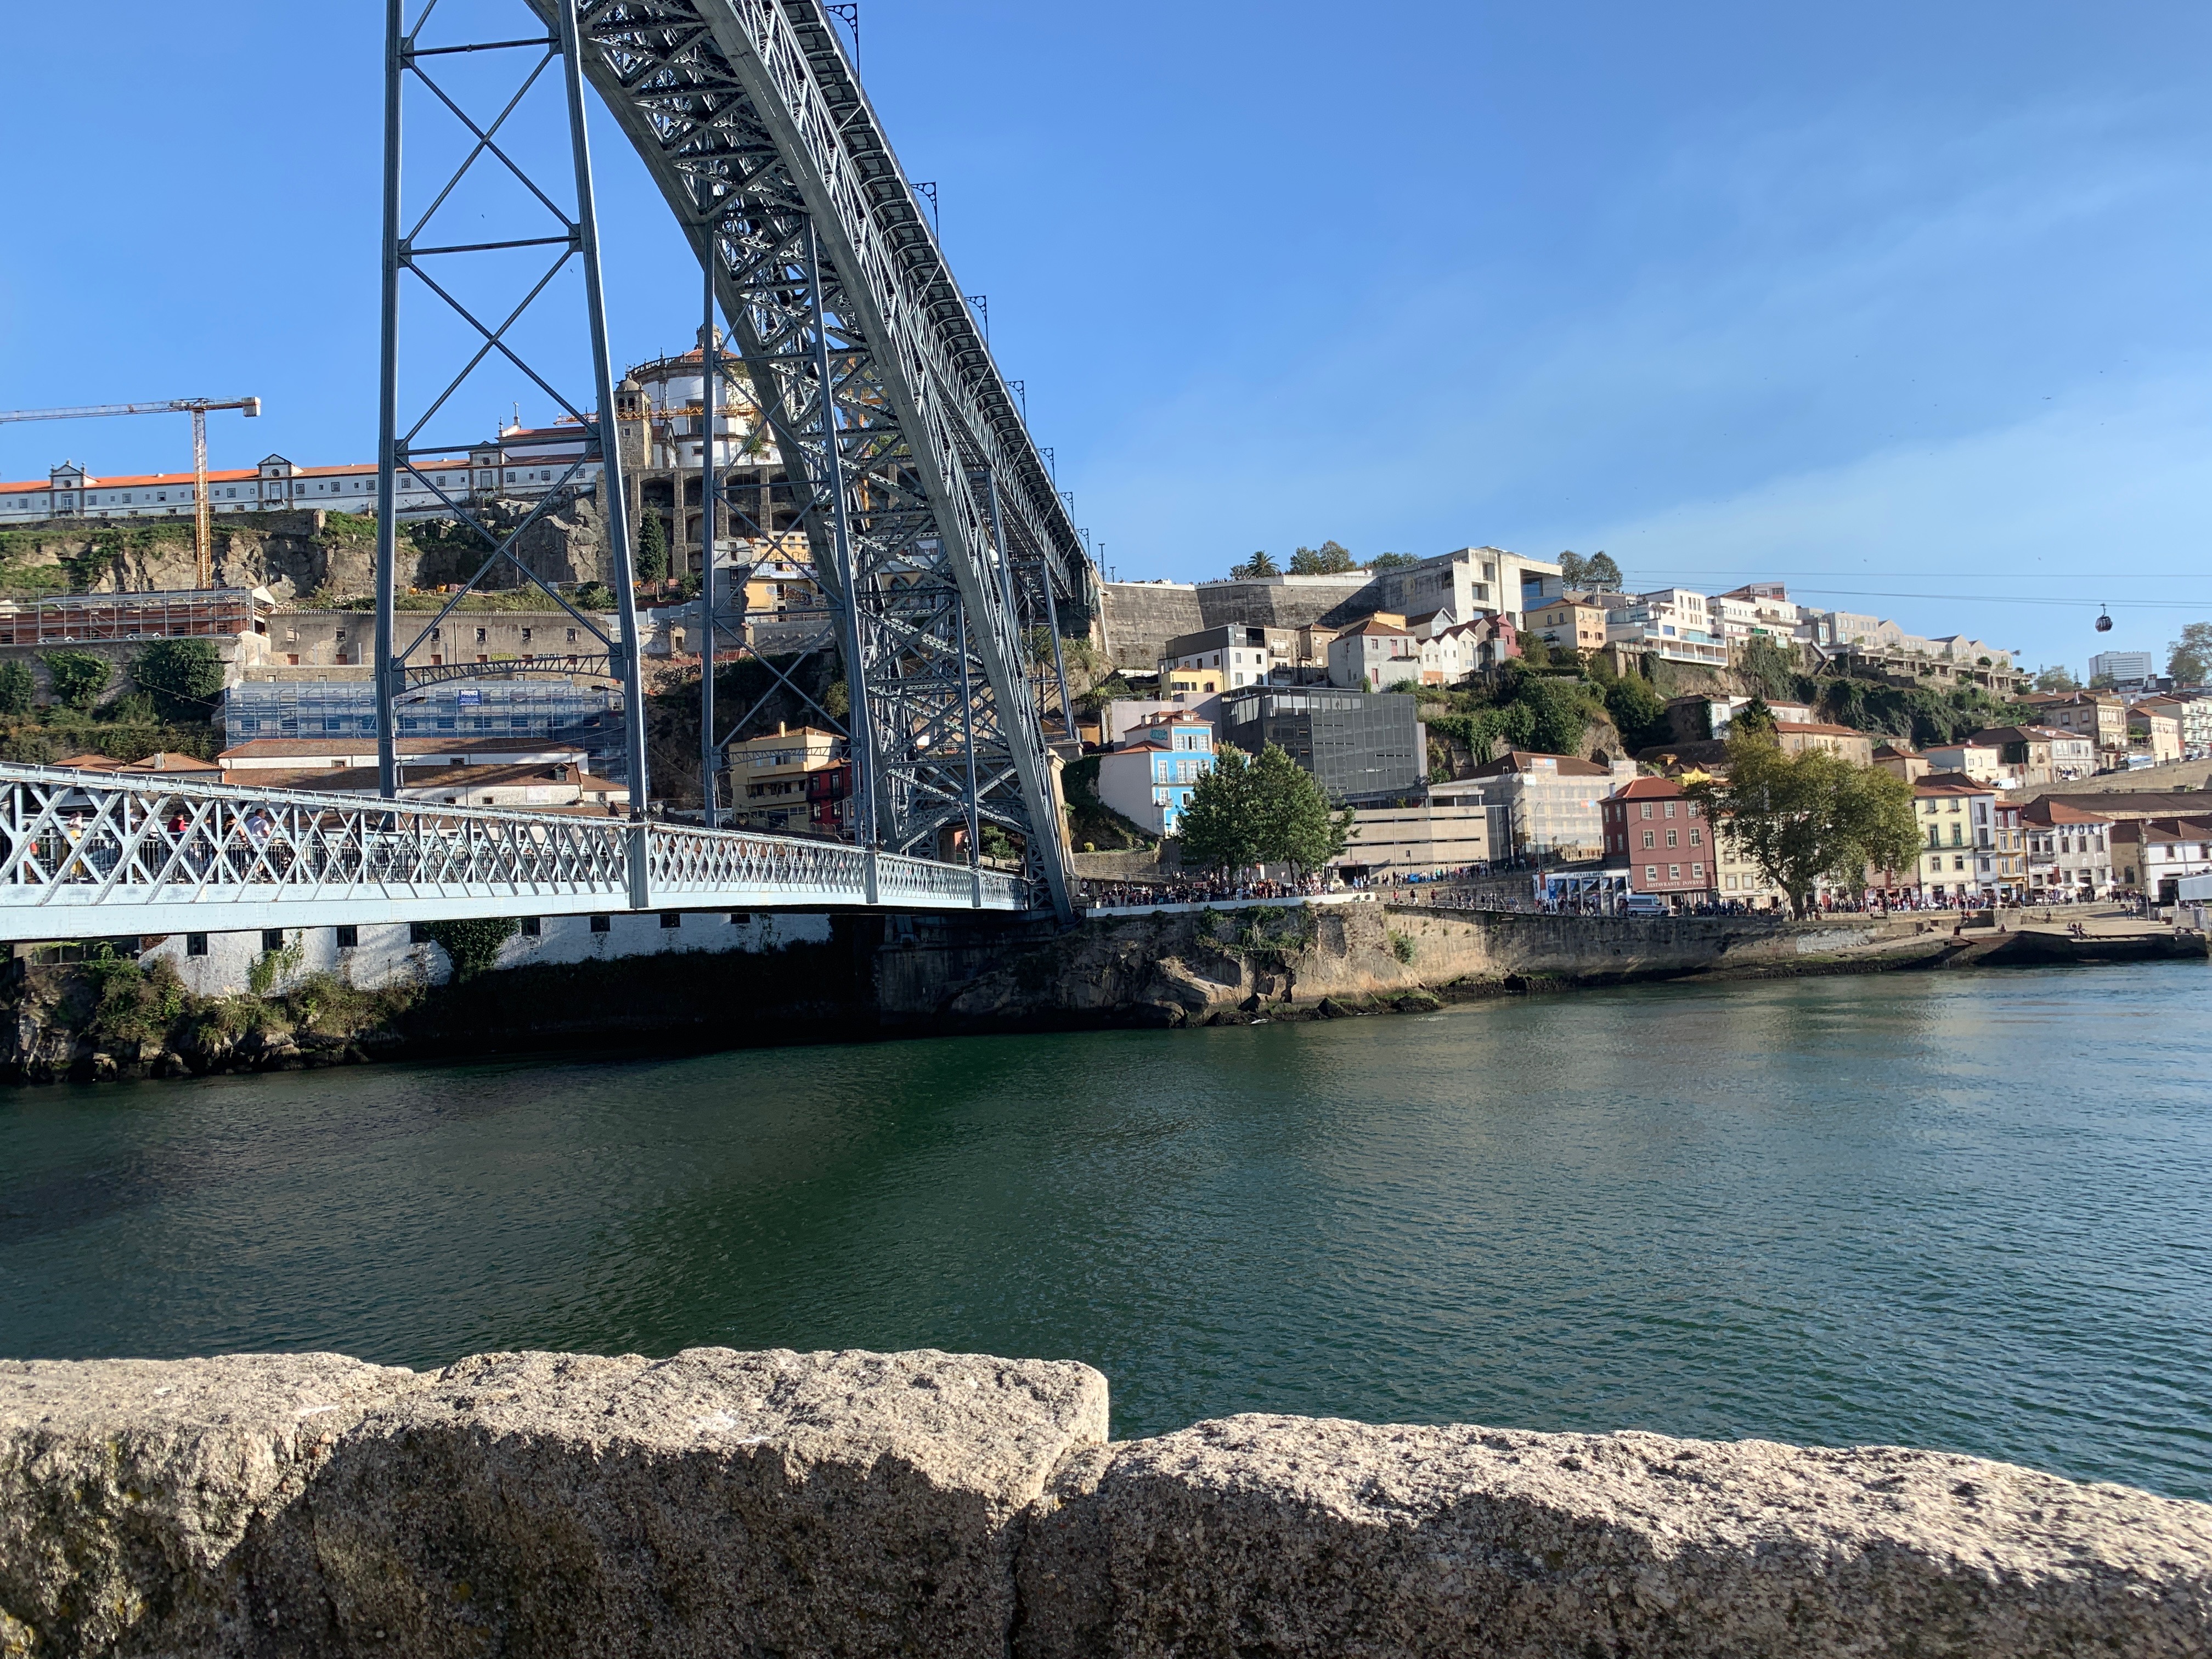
(117, 853)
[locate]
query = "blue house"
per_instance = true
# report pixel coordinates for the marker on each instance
(1148, 778)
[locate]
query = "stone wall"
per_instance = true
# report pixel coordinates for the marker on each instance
(1140, 617)
(1187, 967)
(716, 1503)
(1290, 601)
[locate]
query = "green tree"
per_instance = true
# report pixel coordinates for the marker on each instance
(1252, 569)
(1391, 561)
(1330, 559)
(1602, 574)
(653, 549)
(1638, 713)
(1574, 570)
(1559, 711)
(1754, 719)
(1219, 828)
(1800, 817)
(19, 687)
(78, 677)
(184, 677)
(2189, 658)
(2056, 677)
(1294, 823)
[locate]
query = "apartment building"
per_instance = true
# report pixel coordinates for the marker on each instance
(2150, 856)
(1554, 799)
(2097, 715)
(2069, 850)
(1381, 652)
(1470, 580)
(1150, 778)
(1957, 818)
(1571, 622)
(770, 775)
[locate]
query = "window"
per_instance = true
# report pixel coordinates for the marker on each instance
(272, 938)
(196, 944)
(348, 938)
(531, 926)
(1670, 812)
(1696, 872)
(600, 924)
(1646, 814)
(1650, 872)
(1696, 838)
(1673, 872)
(1674, 838)
(480, 636)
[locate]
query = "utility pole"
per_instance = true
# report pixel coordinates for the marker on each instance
(203, 510)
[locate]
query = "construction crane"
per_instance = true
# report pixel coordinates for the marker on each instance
(202, 512)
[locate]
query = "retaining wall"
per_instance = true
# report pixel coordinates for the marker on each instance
(721, 1503)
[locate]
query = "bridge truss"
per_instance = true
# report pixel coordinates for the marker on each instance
(944, 552)
(92, 854)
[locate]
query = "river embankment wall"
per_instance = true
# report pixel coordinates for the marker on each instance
(1182, 967)
(718, 1503)
(731, 982)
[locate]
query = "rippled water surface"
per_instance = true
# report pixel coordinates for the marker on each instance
(1972, 1211)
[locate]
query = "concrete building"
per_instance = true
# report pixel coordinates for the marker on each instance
(1901, 760)
(2151, 856)
(2068, 851)
(770, 777)
(1470, 580)
(1123, 715)
(1982, 762)
(1665, 839)
(1957, 818)
(1468, 648)
(1553, 799)
(1672, 624)
(528, 774)
(263, 705)
(2099, 716)
(1796, 737)
(1149, 779)
(1234, 655)
(1570, 622)
(1381, 652)
(1446, 828)
(1355, 743)
(2154, 733)
(2192, 713)
(2124, 667)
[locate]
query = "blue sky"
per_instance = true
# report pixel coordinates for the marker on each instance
(1896, 300)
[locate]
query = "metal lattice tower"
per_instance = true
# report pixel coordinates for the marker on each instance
(933, 524)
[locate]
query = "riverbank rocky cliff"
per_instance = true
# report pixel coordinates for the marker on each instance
(717, 1502)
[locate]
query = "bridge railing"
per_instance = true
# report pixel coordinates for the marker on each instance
(123, 853)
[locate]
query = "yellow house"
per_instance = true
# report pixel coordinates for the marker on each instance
(768, 774)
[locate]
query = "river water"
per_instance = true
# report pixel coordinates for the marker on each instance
(1970, 1211)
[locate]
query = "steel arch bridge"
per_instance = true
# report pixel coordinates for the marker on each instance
(945, 553)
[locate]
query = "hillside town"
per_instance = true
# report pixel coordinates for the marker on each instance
(1514, 729)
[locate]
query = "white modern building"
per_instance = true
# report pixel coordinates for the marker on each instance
(2124, 667)
(1468, 581)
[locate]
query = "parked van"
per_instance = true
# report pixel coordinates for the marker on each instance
(1644, 904)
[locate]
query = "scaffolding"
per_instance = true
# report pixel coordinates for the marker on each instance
(86, 618)
(347, 709)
